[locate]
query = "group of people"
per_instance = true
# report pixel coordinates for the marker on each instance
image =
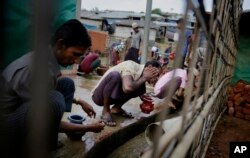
(128, 80)
(120, 83)
(189, 37)
(162, 57)
(134, 51)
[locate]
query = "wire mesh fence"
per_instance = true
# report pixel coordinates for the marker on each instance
(202, 106)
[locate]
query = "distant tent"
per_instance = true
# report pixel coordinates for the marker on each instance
(109, 25)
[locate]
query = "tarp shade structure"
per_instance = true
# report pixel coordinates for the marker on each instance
(242, 67)
(18, 30)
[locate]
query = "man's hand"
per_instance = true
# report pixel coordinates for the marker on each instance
(87, 108)
(188, 60)
(150, 72)
(92, 126)
(96, 126)
(146, 98)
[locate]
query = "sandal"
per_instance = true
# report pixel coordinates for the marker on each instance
(122, 112)
(107, 119)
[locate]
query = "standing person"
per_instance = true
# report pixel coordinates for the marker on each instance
(133, 52)
(127, 45)
(187, 41)
(69, 42)
(121, 83)
(90, 62)
(202, 48)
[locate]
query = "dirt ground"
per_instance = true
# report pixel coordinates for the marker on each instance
(228, 129)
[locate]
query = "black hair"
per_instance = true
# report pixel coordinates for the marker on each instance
(73, 33)
(165, 63)
(154, 63)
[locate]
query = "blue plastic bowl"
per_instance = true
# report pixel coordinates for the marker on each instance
(78, 119)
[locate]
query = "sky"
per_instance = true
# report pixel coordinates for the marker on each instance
(176, 6)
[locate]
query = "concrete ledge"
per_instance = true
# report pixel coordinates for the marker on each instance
(106, 146)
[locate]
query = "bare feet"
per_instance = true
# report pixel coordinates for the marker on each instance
(107, 119)
(121, 112)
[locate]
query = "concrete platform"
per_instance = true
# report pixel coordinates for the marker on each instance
(102, 144)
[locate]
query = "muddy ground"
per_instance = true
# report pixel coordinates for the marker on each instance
(229, 129)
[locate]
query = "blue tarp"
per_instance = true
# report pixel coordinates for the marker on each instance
(90, 27)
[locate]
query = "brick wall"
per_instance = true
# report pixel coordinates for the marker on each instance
(99, 40)
(239, 100)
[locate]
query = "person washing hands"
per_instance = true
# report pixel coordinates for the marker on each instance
(69, 42)
(121, 83)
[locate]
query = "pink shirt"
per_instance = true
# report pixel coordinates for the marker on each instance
(168, 76)
(85, 65)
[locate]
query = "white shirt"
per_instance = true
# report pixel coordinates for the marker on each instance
(125, 68)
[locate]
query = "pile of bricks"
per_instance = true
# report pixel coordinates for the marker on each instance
(238, 102)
